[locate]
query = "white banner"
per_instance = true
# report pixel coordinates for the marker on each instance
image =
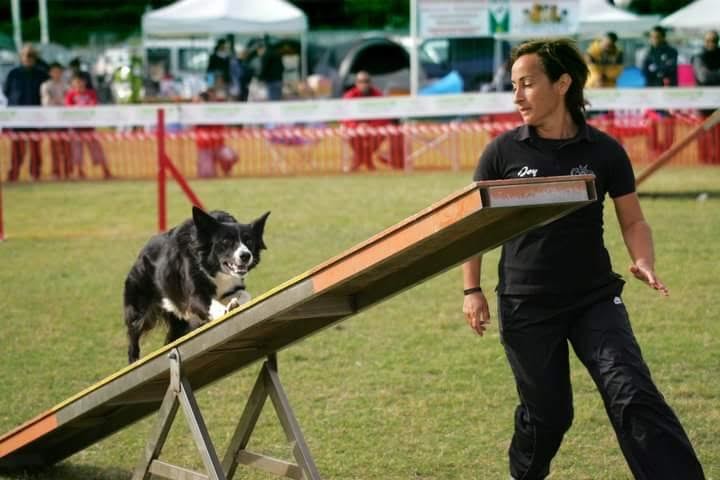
(485, 18)
(101, 116)
(273, 113)
(453, 18)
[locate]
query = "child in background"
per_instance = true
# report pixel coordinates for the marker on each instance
(210, 139)
(80, 95)
(52, 94)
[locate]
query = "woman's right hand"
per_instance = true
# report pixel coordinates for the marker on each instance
(477, 313)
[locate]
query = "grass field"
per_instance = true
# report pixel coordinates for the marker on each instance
(402, 391)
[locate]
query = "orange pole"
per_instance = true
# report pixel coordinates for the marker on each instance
(709, 123)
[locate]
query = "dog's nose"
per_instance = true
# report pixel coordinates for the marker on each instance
(245, 257)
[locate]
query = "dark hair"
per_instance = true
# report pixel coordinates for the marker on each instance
(659, 30)
(79, 76)
(612, 36)
(559, 56)
(55, 65)
(219, 44)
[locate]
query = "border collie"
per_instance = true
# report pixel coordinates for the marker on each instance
(190, 275)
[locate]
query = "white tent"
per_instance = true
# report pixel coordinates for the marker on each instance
(699, 15)
(218, 17)
(213, 18)
(598, 16)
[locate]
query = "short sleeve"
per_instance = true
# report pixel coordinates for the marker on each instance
(621, 178)
(488, 165)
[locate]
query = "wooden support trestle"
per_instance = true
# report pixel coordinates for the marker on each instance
(180, 394)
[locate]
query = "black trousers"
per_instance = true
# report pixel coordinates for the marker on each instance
(535, 332)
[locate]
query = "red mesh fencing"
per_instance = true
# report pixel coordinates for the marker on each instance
(217, 151)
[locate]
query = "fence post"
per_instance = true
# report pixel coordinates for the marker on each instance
(161, 199)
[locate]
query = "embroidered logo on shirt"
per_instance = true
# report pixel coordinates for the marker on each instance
(582, 170)
(617, 301)
(527, 172)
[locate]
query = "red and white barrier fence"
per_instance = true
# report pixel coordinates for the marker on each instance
(234, 151)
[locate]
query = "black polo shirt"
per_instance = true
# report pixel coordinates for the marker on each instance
(567, 256)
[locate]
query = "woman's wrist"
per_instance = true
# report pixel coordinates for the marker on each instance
(471, 290)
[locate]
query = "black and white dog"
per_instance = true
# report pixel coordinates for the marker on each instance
(190, 275)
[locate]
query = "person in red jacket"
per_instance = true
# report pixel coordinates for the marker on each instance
(212, 152)
(80, 95)
(364, 145)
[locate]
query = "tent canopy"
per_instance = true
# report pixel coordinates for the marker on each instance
(598, 16)
(219, 17)
(699, 15)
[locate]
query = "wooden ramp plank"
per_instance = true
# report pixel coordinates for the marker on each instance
(471, 221)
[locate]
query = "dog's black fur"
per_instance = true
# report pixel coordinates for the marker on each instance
(190, 275)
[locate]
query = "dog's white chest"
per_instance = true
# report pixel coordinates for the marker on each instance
(228, 287)
(229, 293)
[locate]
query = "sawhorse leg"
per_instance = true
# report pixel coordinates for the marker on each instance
(268, 384)
(180, 394)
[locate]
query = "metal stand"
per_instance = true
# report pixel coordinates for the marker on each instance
(179, 393)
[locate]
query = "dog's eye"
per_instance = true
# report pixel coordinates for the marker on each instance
(227, 242)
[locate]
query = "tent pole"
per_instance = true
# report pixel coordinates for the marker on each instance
(414, 60)
(17, 26)
(303, 56)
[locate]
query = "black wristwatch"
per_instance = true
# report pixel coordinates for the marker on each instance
(468, 291)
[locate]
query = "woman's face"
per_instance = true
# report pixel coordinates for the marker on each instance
(535, 96)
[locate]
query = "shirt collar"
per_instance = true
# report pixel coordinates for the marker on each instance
(527, 132)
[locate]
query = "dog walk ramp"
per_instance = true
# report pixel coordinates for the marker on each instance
(471, 221)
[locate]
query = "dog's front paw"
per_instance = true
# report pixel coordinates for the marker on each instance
(232, 305)
(237, 301)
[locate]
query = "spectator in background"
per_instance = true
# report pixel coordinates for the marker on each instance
(22, 88)
(219, 63)
(271, 69)
(605, 61)
(660, 70)
(240, 75)
(76, 68)
(210, 139)
(706, 66)
(80, 95)
(52, 94)
(364, 145)
(660, 63)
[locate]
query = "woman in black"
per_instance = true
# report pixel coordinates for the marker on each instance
(557, 286)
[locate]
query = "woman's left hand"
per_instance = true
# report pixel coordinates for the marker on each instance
(645, 273)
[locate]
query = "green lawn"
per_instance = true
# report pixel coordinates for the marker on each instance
(402, 391)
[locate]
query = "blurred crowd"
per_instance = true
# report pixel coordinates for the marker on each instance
(658, 64)
(35, 83)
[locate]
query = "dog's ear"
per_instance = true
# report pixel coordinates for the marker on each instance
(258, 227)
(203, 222)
